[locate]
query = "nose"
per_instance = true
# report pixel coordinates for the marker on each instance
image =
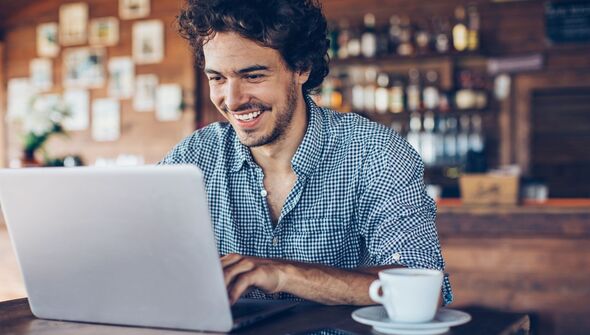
(234, 95)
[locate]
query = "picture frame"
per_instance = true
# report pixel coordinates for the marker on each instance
(78, 101)
(83, 67)
(47, 42)
(169, 102)
(104, 31)
(73, 23)
(121, 77)
(146, 86)
(148, 42)
(134, 9)
(106, 120)
(41, 74)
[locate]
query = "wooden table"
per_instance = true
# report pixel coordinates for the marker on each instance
(16, 319)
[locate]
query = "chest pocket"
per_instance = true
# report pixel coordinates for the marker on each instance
(327, 240)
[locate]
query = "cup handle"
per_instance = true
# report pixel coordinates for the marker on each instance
(374, 291)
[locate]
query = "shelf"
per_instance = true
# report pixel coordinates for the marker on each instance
(461, 57)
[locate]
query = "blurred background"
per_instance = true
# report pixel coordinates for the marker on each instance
(494, 95)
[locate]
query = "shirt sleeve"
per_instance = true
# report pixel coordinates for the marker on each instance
(185, 152)
(397, 217)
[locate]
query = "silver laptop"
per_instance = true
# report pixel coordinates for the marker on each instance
(130, 246)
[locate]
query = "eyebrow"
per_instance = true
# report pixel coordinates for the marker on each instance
(241, 71)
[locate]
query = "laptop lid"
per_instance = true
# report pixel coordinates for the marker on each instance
(131, 246)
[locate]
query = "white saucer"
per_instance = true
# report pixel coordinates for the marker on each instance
(376, 316)
(394, 331)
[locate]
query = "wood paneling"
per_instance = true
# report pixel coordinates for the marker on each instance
(560, 138)
(533, 258)
(546, 276)
(141, 134)
(2, 104)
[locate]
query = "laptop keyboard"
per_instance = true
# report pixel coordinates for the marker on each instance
(244, 309)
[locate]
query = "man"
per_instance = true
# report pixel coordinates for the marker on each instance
(305, 202)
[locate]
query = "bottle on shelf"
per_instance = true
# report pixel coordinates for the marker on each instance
(413, 136)
(460, 33)
(413, 91)
(480, 91)
(382, 93)
(396, 96)
(463, 138)
(441, 35)
(476, 137)
(473, 28)
(358, 89)
(369, 37)
(427, 139)
(333, 38)
(343, 39)
(422, 40)
(383, 41)
(405, 47)
(450, 140)
(369, 89)
(430, 94)
(465, 97)
(326, 92)
(439, 140)
(354, 43)
(395, 34)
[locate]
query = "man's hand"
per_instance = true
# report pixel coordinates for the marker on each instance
(314, 282)
(243, 272)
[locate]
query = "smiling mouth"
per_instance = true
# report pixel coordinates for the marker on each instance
(248, 117)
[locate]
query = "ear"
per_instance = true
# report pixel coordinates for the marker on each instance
(303, 76)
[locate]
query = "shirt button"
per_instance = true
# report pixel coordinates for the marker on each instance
(275, 240)
(263, 193)
(397, 257)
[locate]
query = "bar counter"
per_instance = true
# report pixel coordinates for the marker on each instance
(555, 217)
(528, 258)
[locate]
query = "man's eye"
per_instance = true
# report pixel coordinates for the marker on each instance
(214, 78)
(254, 76)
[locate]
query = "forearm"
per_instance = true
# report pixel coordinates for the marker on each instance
(328, 285)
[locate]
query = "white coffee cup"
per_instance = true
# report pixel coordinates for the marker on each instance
(409, 295)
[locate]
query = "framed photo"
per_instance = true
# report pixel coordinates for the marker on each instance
(106, 120)
(148, 42)
(20, 95)
(168, 102)
(121, 77)
(78, 101)
(47, 45)
(133, 9)
(73, 23)
(83, 67)
(104, 31)
(41, 74)
(146, 86)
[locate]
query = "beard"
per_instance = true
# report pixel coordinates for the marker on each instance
(281, 126)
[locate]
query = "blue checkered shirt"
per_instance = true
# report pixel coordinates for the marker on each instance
(358, 201)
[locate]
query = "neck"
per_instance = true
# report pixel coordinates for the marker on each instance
(276, 156)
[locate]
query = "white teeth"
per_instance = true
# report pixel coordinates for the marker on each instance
(248, 117)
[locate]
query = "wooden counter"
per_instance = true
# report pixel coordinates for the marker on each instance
(566, 218)
(533, 258)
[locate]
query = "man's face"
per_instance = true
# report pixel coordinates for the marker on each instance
(252, 88)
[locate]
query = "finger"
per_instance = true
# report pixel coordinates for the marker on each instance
(230, 259)
(231, 271)
(241, 284)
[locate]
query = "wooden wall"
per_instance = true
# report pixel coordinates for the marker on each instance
(532, 259)
(141, 133)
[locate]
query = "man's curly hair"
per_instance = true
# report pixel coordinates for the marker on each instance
(297, 29)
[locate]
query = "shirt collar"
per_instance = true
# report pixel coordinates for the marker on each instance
(308, 154)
